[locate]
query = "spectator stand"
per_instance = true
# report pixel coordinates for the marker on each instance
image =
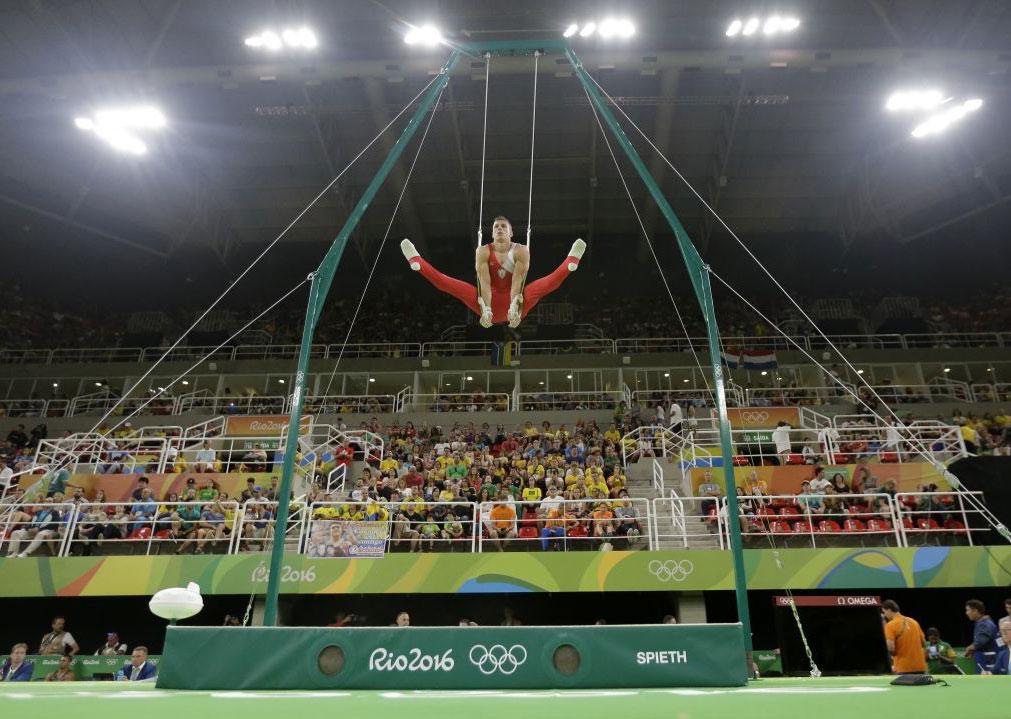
(928, 517)
(409, 528)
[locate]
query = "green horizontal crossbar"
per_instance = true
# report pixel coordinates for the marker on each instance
(513, 47)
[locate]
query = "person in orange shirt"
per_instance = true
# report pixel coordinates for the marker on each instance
(603, 521)
(503, 521)
(905, 640)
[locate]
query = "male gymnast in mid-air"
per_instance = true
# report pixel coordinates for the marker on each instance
(501, 294)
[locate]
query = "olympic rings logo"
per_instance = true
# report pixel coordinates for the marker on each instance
(497, 658)
(671, 570)
(759, 416)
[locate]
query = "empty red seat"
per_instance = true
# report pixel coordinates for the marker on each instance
(789, 511)
(927, 525)
(954, 525)
(879, 525)
(840, 458)
(163, 534)
(578, 531)
(795, 459)
(528, 533)
(854, 525)
(889, 457)
(804, 527)
(780, 527)
(907, 523)
(141, 533)
(829, 525)
(765, 511)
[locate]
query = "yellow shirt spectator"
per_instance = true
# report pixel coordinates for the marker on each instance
(612, 435)
(532, 494)
(388, 464)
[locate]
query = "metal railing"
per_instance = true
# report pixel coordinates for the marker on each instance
(23, 407)
(411, 526)
(895, 443)
(565, 525)
(459, 402)
(927, 517)
(688, 522)
(536, 401)
(623, 345)
(759, 396)
(651, 441)
(339, 404)
(205, 526)
(28, 526)
(807, 519)
(229, 404)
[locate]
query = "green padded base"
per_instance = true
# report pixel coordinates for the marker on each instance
(710, 655)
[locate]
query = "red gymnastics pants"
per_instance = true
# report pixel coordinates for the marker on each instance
(467, 293)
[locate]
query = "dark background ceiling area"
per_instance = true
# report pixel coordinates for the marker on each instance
(785, 137)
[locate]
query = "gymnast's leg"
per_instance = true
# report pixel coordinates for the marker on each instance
(466, 293)
(539, 289)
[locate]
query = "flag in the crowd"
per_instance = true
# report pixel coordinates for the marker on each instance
(750, 359)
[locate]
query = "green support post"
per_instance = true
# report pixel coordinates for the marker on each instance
(319, 287)
(698, 272)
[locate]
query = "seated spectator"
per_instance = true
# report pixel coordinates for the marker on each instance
(839, 484)
(806, 500)
(503, 520)
(138, 668)
(16, 668)
(45, 525)
(205, 459)
(711, 492)
(112, 646)
(64, 672)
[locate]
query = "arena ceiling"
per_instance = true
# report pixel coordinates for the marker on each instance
(785, 137)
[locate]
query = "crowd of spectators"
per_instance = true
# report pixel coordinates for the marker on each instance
(391, 316)
(553, 487)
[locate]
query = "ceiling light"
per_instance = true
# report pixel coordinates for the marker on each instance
(469, 378)
(271, 40)
(751, 26)
(568, 376)
(666, 374)
(734, 28)
(789, 24)
(571, 30)
(57, 384)
(608, 28)
(302, 37)
(947, 370)
(372, 379)
(588, 29)
(764, 373)
(186, 381)
(625, 28)
(772, 25)
(860, 371)
(280, 381)
(906, 100)
(685, 381)
(541, 383)
(98, 384)
(940, 122)
(117, 125)
(427, 35)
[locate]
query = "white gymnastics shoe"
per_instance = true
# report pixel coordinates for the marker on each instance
(407, 247)
(578, 248)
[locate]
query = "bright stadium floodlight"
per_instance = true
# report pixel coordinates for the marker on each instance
(571, 30)
(789, 24)
(751, 26)
(588, 29)
(608, 28)
(936, 124)
(626, 28)
(734, 28)
(117, 126)
(918, 100)
(772, 25)
(301, 38)
(427, 35)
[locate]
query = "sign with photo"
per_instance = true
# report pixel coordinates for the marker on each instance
(335, 538)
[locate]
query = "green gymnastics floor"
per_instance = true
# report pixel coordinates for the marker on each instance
(827, 698)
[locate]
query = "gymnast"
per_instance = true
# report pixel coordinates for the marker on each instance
(501, 268)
